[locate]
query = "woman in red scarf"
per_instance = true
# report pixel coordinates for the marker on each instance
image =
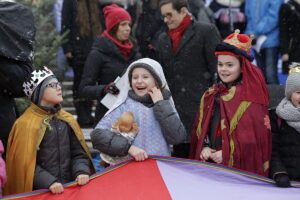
(232, 125)
(111, 54)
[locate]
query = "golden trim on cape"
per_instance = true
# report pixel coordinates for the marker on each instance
(233, 123)
(199, 127)
(223, 126)
(234, 41)
(266, 165)
(230, 94)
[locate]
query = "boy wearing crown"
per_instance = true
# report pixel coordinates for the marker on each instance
(46, 147)
(285, 123)
(232, 125)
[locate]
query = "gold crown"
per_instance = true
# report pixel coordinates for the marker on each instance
(234, 40)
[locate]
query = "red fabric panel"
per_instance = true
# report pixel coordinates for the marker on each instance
(135, 180)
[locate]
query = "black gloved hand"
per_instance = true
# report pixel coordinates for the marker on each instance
(282, 180)
(111, 88)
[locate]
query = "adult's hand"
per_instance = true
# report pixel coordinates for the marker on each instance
(111, 88)
(69, 55)
(138, 153)
(285, 57)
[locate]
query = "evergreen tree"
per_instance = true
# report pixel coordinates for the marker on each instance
(47, 40)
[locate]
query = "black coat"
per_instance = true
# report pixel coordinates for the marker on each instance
(17, 31)
(190, 70)
(289, 26)
(60, 158)
(78, 45)
(148, 29)
(12, 76)
(285, 148)
(16, 39)
(103, 65)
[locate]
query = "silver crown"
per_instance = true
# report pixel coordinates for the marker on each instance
(37, 76)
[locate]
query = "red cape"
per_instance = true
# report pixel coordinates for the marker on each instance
(244, 124)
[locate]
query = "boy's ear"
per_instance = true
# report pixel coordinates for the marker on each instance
(135, 128)
(115, 125)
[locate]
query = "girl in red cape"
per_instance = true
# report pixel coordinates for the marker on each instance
(232, 126)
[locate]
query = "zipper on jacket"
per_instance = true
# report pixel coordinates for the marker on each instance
(59, 164)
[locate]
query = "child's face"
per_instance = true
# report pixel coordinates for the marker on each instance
(142, 81)
(229, 68)
(295, 98)
(52, 94)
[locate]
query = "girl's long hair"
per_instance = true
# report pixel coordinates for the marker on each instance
(88, 18)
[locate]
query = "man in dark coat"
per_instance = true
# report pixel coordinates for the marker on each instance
(16, 37)
(149, 27)
(289, 27)
(186, 52)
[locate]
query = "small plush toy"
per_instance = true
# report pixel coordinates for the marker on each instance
(126, 127)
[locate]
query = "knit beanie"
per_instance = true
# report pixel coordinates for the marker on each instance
(292, 84)
(39, 91)
(114, 15)
(147, 67)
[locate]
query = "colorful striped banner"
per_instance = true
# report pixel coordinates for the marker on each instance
(170, 178)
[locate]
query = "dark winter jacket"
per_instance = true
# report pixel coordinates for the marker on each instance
(17, 34)
(286, 148)
(149, 27)
(103, 65)
(12, 75)
(17, 31)
(78, 45)
(289, 26)
(60, 158)
(190, 70)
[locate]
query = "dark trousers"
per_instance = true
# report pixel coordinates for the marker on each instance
(267, 61)
(83, 107)
(7, 118)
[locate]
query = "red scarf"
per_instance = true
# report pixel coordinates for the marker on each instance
(124, 48)
(248, 147)
(177, 33)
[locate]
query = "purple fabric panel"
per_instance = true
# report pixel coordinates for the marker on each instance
(191, 181)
